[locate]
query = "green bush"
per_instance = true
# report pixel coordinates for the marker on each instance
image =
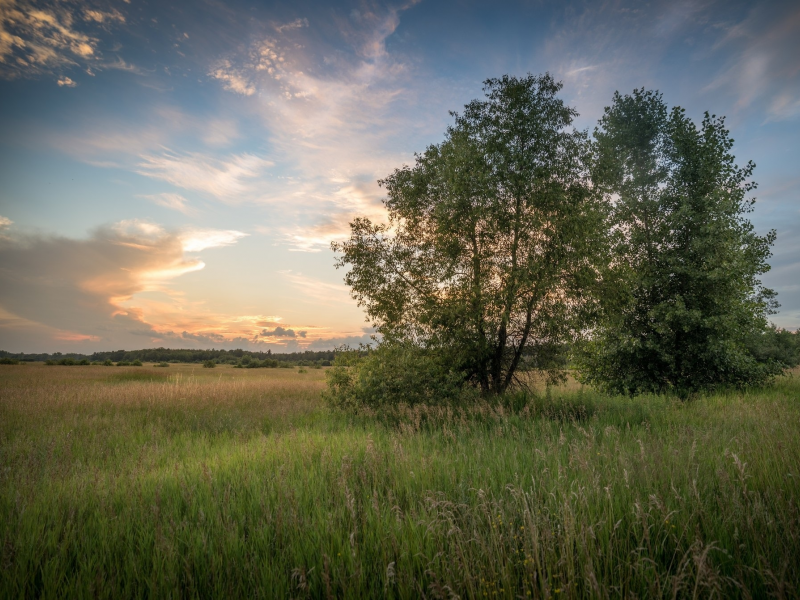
(209, 364)
(162, 364)
(8, 361)
(107, 363)
(393, 374)
(775, 345)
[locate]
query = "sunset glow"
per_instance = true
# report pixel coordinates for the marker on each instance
(173, 173)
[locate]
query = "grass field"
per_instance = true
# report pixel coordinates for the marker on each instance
(191, 482)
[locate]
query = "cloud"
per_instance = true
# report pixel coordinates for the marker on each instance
(233, 80)
(121, 65)
(338, 120)
(282, 333)
(296, 24)
(201, 239)
(46, 37)
(100, 16)
(86, 290)
(353, 341)
(170, 200)
(229, 180)
(316, 290)
(66, 82)
(5, 222)
(762, 68)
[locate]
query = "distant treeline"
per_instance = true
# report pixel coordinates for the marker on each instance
(246, 358)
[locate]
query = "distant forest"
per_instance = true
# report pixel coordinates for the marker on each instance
(168, 355)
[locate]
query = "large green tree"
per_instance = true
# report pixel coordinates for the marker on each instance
(685, 294)
(492, 241)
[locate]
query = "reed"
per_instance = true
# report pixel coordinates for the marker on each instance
(232, 482)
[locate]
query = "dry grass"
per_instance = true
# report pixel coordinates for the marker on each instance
(229, 482)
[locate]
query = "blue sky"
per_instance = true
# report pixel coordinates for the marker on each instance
(174, 172)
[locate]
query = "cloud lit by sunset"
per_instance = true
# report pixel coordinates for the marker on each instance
(173, 174)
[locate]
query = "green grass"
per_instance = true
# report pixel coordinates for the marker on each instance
(236, 482)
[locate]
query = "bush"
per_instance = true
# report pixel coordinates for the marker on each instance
(84, 361)
(107, 363)
(8, 361)
(162, 364)
(209, 364)
(775, 345)
(123, 363)
(136, 363)
(393, 374)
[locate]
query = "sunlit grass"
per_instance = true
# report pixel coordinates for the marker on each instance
(233, 482)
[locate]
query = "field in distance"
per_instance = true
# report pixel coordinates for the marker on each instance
(185, 481)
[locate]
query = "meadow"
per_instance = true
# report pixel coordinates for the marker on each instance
(190, 482)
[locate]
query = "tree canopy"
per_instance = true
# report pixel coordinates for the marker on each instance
(493, 241)
(685, 261)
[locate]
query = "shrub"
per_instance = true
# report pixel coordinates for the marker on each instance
(775, 345)
(162, 364)
(209, 364)
(107, 363)
(136, 363)
(84, 361)
(393, 374)
(8, 361)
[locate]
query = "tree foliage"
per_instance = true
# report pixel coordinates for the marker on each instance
(686, 260)
(489, 256)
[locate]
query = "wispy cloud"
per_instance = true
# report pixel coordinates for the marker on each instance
(337, 121)
(763, 66)
(170, 200)
(315, 290)
(296, 24)
(229, 179)
(200, 239)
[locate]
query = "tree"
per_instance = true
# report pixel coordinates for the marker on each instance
(685, 261)
(492, 239)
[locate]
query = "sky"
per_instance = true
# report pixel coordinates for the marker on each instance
(173, 173)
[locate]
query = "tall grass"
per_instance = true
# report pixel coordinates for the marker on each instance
(238, 483)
